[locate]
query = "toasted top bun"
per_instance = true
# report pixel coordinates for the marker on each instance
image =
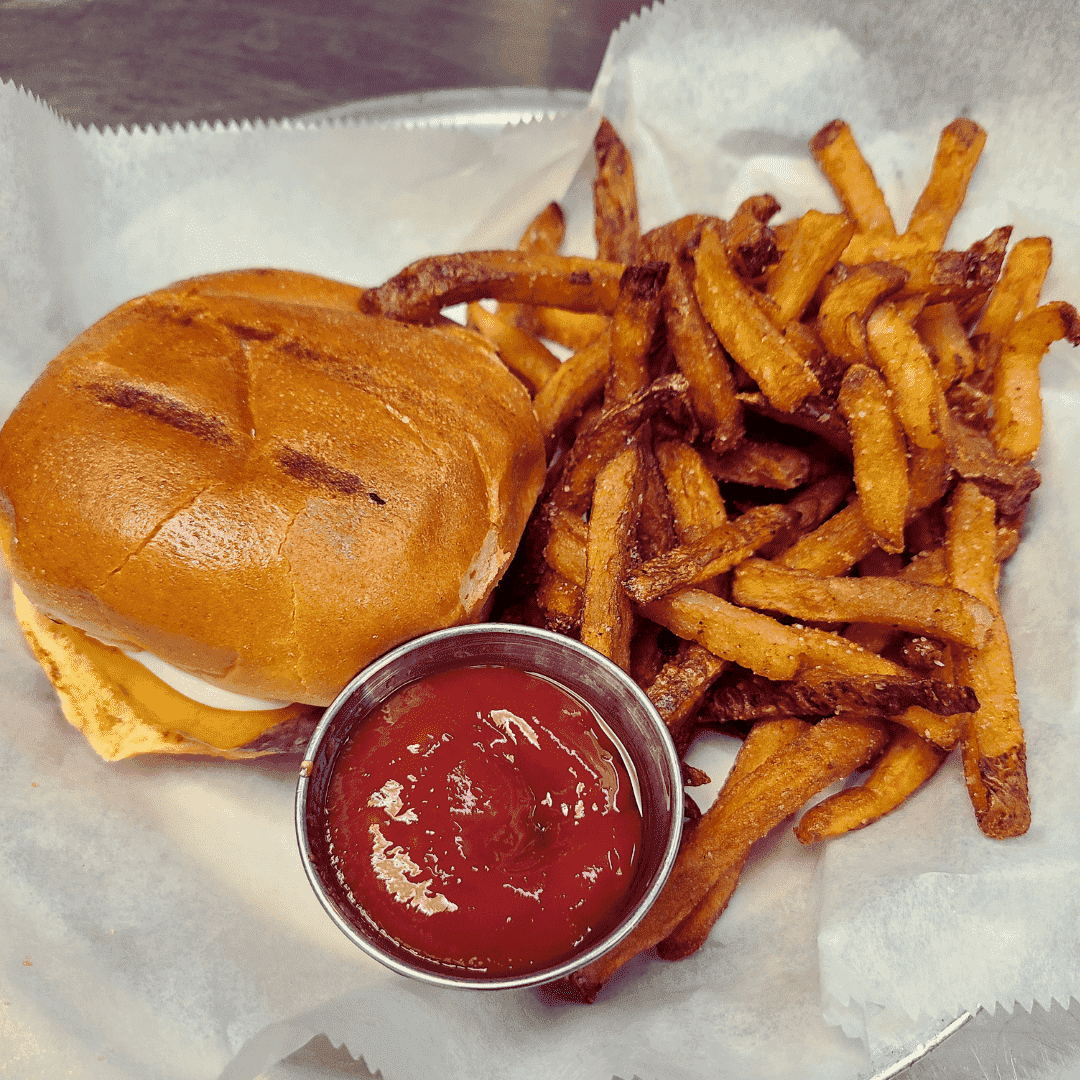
(249, 478)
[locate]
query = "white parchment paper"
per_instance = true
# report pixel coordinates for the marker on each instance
(154, 919)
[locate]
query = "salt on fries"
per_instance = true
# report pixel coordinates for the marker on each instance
(786, 464)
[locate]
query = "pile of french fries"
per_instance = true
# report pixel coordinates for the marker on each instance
(786, 464)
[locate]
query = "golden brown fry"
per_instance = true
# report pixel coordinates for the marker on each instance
(746, 331)
(908, 763)
(936, 611)
(682, 683)
(527, 357)
(694, 495)
(955, 275)
(958, 150)
(834, 547)
(559, 601)
(572, 329)
(714, 553)
(815, 249)
(420, 291)
(747, 697)
(766, 738)
(607, 618)
(632, 329)
(701, 360)
(618, 233)
(750, 243)
(570, 388)
(1016, 428)
(917, 398)
(840, 159)
(758, 464)
(843, 313)
(1016, 293)
(994, 754)
(656, 529)
(868, 247)
(545, 232)
(760, 643)
(829, 751)
(881, 476)
(812, 507)
(568, 536)
(598, 442)
(941, 330)
(974, 457)
(667, 242)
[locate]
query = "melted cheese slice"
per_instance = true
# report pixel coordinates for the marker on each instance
(124, 709)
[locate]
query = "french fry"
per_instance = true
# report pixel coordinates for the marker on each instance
(937, 611)
(1016, 428)
(632, 327)
(527, 357)
(954, 275)
(834, 547)
(692, 491)
(568, 536)
(842, 162)
(682, 683)
(701, 360)
(1017, 290)
(758, 464)
(881, 474)
(543, 234)
(618, 232)
(917, 398)
(559, 601)
(656, 528)
(759, 643)
(994, 754)
(572, 329)
(906, 765)
(749, 697)
(713, 553)
(941, 330)
(843, 312)
(420, 291)
(602, 438)
(749, 242)
(746, 331)
(766, 738)
(607, 618)
(816, 414)
(974, 457)
(668, 242)
(570, 388)
(818, 242)
(719, 843)
(959, 147)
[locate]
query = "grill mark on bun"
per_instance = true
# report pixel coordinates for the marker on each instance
(247, 332)
(312, 470)
(159, 407)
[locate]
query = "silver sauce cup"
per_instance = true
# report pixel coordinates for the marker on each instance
(619, 702)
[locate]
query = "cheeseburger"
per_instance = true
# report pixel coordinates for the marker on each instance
(228, 496)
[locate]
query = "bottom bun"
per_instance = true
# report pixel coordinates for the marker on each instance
(124, 710)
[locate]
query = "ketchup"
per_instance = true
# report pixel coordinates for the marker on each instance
(485, 819)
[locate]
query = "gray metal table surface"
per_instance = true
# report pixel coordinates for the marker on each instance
(152, 62)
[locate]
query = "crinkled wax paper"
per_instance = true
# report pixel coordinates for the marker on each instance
(155, 919)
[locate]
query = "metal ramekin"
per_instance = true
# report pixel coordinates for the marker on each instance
(594, 678)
